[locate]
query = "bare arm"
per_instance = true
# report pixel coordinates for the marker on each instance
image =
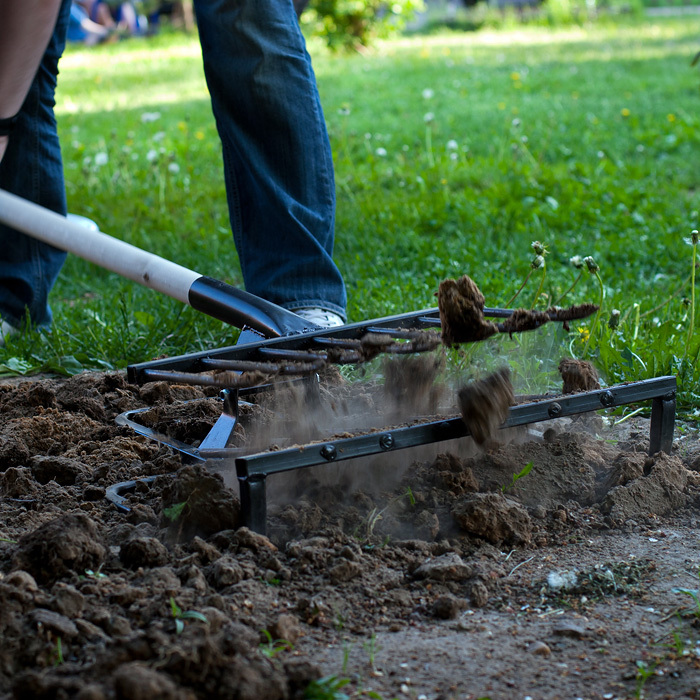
(25, 31)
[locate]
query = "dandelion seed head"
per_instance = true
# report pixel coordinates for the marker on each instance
(381, 152)
(428, 94)
(591, 264)
(428, 117)
(101, 159)
(452, 145)
(174, 168)
(147, 117)
(151, 155)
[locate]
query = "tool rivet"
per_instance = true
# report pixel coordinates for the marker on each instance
(554, 410)
(386, 442)
(329, 453)
(607, 399)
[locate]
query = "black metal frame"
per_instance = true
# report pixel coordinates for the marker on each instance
(252, 470)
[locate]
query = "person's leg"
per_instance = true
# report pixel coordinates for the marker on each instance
(32, 168)
(277, 158)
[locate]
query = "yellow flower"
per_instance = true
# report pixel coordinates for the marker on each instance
(514, 76)
(182, 126)
(625, 112)
(671, 117)
(584, 334)
(199, 135)
(501, 105)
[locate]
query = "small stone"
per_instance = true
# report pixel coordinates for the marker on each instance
(539, 649)
(567, 628)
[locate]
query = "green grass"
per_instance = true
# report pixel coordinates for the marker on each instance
(583, 138)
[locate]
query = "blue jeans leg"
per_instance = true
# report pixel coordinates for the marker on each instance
(277, 159)
(32, 168)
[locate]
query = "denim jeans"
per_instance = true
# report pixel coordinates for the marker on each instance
(277, 162)
(32, 168)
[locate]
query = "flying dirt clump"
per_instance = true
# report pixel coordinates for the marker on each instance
(461, 306)
(578, 375)
(484, 404)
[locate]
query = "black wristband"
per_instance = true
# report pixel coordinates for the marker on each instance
(8, 124)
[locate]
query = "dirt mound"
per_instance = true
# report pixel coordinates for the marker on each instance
(196, 502)
(63, 546)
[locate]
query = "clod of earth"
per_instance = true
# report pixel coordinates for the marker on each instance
(484, 404)
(578, 375)
(70, 543)
(494, 517)
(461, 306)
(197, 502)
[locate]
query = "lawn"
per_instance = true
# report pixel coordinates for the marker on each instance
(454, 152)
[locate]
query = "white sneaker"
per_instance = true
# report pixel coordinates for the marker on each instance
(6, 330)
(320, 317)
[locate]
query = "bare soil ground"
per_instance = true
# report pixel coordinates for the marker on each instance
(428, 573)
